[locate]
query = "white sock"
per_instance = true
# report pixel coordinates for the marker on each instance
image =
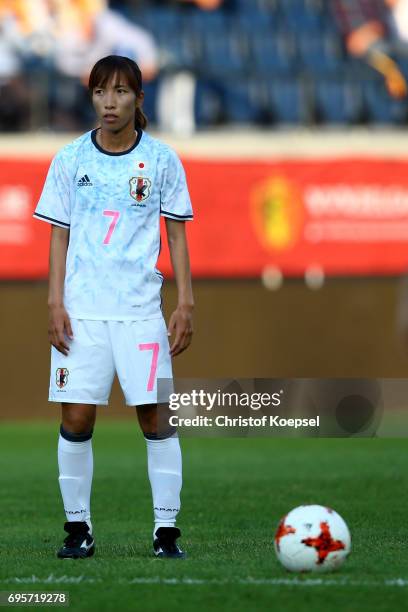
(75, 462)
(164, 468)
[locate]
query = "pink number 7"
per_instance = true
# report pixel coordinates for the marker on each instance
(153, 346)
(115, 214)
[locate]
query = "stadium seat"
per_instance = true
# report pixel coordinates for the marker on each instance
(224, 55)
(302, 6)
(204, 23)
(179, 52)
(287, 101)
(381, 108)
(256, 23)
(208, 103)
(228, 101)
(337, 101)
(256, 6)
(160, 21)
(320, 54)
(242, 101)
(149, 103)
(274, 55)
(302, 15)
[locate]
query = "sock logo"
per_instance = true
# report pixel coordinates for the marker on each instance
(167, 509)
(62, 377)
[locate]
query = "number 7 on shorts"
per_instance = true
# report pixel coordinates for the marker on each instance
(154, 347)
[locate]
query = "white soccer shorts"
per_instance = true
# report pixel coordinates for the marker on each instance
(138, 351)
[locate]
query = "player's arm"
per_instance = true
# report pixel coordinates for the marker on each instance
(181, 320)
(58, 319)
(365, 42)
(385, 65)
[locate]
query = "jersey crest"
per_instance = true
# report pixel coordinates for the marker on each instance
(140, 188)
(62, 377)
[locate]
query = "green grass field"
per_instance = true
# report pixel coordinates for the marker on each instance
(235, 491)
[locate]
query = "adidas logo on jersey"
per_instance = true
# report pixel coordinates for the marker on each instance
(84, 181)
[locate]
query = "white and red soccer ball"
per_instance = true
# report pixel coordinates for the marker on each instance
(312, 539)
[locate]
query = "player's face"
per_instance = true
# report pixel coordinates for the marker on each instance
(116, 103)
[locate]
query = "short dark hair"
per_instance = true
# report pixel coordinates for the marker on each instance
(107, 67)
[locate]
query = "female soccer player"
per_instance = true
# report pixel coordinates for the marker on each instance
(104, 195)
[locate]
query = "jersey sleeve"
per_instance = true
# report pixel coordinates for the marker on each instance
(54, 205)
(174, 196)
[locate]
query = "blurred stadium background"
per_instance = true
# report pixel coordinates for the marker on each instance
(290, 117)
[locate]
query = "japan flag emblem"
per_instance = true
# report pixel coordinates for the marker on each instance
(140, 188)
(62, 377)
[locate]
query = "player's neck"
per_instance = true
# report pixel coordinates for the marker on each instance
(116, 141)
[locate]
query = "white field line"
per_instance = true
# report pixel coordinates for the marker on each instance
(305, 582)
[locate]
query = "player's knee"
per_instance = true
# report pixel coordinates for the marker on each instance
(75, 435)
(78, 426)
(161, 434)
(154, 421)
(77, 419)
(147, 415)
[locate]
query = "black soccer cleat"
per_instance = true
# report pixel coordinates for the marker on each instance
(164, 544)
(79, 543)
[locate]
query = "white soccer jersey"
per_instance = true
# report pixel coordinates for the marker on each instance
(111, 203)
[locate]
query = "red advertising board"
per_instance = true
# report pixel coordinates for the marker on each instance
(346, 216)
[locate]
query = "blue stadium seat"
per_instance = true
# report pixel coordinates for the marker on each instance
(255, 24)
(180, 52)
(303, 6)
(256, 6)
(286, 101)
(208, 105)
(203, 23)
(381, 108)
(274, 54)
(320, 54)
(403, 65)
(160, 21)
(227, 101)
(224, 55)
(242, 101)
(302, 15)
(338, 101)
(149, 104)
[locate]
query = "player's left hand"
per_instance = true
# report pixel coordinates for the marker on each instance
(181, 323)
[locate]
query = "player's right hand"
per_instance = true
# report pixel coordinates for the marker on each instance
(59, 326)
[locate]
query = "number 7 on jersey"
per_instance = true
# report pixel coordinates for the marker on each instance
(115, 214)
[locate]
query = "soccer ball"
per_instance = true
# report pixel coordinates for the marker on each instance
(312, 539)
